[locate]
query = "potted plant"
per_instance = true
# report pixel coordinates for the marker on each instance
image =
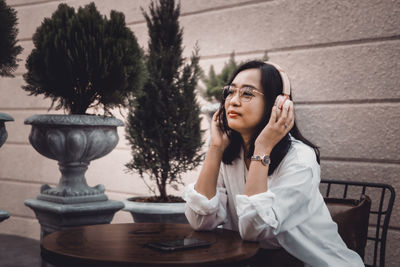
(163, 125)
(214, 82)
(81, 60)
(9, 50)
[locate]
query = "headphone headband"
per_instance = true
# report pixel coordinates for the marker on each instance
(284, 77)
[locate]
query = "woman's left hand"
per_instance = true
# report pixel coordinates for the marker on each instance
(278, 126)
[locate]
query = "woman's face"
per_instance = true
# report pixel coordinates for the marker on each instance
(243, 115)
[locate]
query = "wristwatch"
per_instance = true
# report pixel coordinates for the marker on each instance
(265, 159)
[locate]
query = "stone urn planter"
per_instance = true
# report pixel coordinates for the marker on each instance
(4, 117)
(4, 215)
(74, 141)
(3, 137)
(156, 212)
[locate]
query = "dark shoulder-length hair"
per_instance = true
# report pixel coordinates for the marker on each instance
(272, 85)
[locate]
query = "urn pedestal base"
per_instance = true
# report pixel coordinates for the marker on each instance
(3, 137)
(55, 216)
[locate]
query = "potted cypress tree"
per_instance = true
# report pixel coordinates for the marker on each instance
(163, 126)
(9, 51)
(81, 60)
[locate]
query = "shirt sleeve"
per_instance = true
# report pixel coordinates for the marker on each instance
(203, 213)
(288, 203)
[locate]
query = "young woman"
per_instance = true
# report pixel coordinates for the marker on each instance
(261, 176)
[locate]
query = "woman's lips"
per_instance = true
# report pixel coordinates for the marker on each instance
(232, 114)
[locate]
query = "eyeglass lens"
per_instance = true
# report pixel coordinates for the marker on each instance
(245, 93)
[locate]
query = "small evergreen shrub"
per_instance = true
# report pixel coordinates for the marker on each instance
(215, 82)
(9, 50)
(163, 126)
(82, 59)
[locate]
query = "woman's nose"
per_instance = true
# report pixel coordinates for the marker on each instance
(236, 98)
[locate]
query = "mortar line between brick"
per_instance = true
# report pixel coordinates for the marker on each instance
(338, 43)
(17, 143)
(10, 180)
(349, 101)
(118, 192)
(14, 143)
(247, 3)
(307, 47)
(297, 103)
(361, 160)
(285, 49)
(183, 14)
(12, 215)
(35, 3)
(206, 10)
(10, 109)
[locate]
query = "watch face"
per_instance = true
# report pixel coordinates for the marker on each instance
(265, 160)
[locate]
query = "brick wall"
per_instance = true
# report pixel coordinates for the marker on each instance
(342, 56)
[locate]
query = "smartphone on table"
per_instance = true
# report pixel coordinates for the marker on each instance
(179, 244)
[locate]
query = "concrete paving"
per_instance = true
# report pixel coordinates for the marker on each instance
(17, 251)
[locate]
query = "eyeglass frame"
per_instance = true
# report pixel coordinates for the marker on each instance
(241, 91)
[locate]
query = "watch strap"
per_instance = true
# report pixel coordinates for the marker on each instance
(265, 159)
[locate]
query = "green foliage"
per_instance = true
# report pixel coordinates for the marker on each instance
(215, 82)
(163, 126)
(82, 59)
(8, 34)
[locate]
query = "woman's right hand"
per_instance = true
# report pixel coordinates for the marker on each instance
(219, 139)
(207, 182)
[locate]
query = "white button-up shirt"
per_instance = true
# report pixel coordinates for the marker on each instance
(292, 213)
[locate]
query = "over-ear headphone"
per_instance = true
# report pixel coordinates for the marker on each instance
(284, 77)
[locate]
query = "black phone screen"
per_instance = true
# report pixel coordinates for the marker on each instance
(178, 244)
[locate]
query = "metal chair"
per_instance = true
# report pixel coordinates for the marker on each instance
(382, 199)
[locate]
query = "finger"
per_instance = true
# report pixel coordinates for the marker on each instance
(290, 120)
(272, 119)
(216, 114)
(282, 101)
(277, 100)
(290, 112)
(285, 109)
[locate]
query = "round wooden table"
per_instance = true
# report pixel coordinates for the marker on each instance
(126, 245)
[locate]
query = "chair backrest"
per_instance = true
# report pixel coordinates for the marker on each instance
(352, 219)
(382, 199)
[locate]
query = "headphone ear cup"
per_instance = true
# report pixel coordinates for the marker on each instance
(284, 77)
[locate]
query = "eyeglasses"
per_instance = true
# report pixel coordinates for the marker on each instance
(246, 93)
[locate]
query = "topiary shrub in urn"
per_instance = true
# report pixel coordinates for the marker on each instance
(163, 126)
(81, 60)
(9, 50)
